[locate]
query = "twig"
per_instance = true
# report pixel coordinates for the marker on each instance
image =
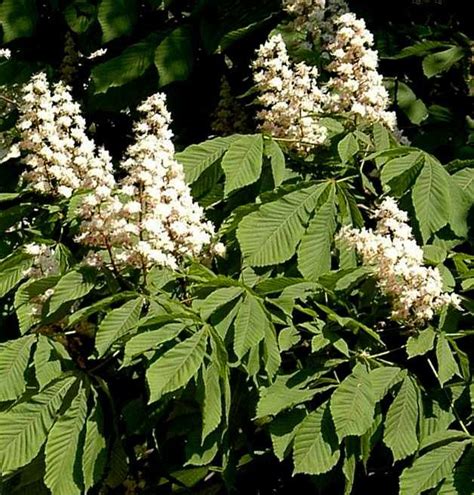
(8, 100)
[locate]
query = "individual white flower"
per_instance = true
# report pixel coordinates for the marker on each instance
(5, 53)
(98, 53)
(414, 290)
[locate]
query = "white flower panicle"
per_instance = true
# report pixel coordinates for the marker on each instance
(356, 87)
(70, 62)
(60, 157)
(290, 97)
(149, 218)
(294, 101)
(155, 221)
(45, 263)
(229, 117)
(313, 17)
(414, 290)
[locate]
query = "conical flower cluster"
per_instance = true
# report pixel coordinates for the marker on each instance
(149, 217)
(356, 87)
(289, 96)
(60, 157)
(414, 290)
(293, 97)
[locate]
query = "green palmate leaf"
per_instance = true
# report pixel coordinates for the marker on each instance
(461, 205)
(353, 404)
(371, 437)
(25, 306)
(18, 18)
(440, 438)
(381, 139)
(216, 300)
(174, 56)
(316, 447)
(348, 209)
(95, 447)
(434, 254)
(116, 324)
(420, 344)
(288, 337)
(439, 419)
(72, 286)
(271, 234)
(442, 61)
(347, 148)
(80, 15)
(61, 447)
(101, 305)
(283, 430)
(400, 173)
(349, 467)
(118, 465)
(249, 325)
(212, 404)
(242, 164)
(420, 48)
(147, 341)
(271, 351)
(280, 396)
(202, 454)
(447, 366)
(23, 429)
(463, 476)
(277, 161)
(197, 158)
(314, 253)
(14, 359)
(129, 65)
(400, 431)
(383, 379)
(12, 271)
(8, 196)
(413, 107)
(47, 360)
(117, 18)
(176, 367)
(428, 470)
(465, 180)
(431, 197)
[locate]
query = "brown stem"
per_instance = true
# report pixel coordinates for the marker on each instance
(8, 100)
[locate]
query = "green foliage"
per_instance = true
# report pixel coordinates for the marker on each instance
(400, 432)
(242, 164)
(352, 404)
(18, 18)
(174, 56)
(428, 470)
(116, 18)
(177, 366)
(315, 448)
(14, 358)
(132, 63)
